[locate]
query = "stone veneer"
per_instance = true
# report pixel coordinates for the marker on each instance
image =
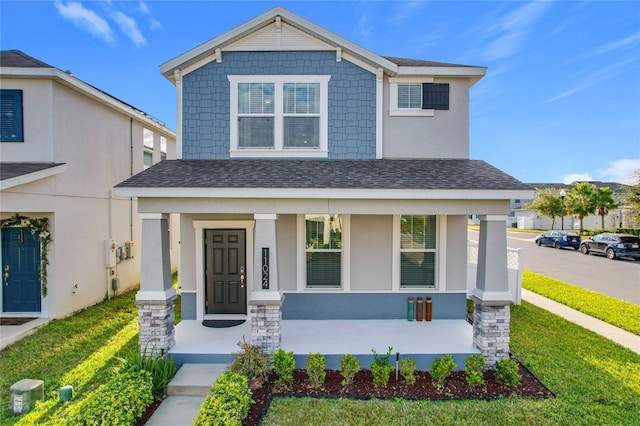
(156, 330)
(265, 326)
(491, 331)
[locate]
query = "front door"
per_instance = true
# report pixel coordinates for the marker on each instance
(225, 271)
(20, 270)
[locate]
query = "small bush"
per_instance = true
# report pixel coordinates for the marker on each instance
(251, 361)
(473, 368)
(284, 364)
(121, 401)
(508, 372)
(381, 368)
(441, 368)
(229, 403)
(408, 369)
(162, 369)
(349, 367)
(315, 369)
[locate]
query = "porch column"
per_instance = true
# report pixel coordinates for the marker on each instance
(156, 297)
(265, 299)
(491, 296)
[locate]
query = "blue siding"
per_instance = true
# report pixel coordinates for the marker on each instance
(352, 101)
(367, 306)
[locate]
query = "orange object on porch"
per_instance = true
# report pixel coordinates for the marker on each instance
(419, 309)
(428, 307)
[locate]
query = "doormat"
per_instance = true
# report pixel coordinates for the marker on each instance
(15, 321)
(222, 323)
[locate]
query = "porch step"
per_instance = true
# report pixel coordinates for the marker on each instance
(195, 379)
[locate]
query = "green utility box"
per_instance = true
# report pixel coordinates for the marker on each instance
(24, 394)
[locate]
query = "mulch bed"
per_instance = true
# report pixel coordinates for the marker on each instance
(455, 387)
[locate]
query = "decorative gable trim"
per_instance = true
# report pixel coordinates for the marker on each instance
(278, 36)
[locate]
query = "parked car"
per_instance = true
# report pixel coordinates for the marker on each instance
(559, 239)
(612, 245)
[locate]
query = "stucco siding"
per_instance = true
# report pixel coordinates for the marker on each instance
(456, 261)
(445, 135)
(352, 101)
(371, 252)
(287, 240)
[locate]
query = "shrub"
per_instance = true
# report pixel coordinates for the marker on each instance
(162, 369)
(441, 368)
(229, 403)
(408, 369)
(349, 366)
(284, 364)
(473, 367)
(315, 369)
(251, 361)
(381, 367)
(508, 372)
(121, 401)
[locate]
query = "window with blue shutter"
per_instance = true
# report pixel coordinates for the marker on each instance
(11, 116)
(435, 96)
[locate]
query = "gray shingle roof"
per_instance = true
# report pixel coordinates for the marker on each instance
(454, 174)
(12, 170)
(18, 59)
(407, 62)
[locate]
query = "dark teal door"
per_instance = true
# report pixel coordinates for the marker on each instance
(20, 275)
(225, 289)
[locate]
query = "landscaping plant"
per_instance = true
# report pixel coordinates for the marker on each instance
(162, 369)
(381, 367)
(316, 364)
(441, 368)
(284, 363)
(473, 368)
(349, 366)
(408, 369)
(508, 372)
(252, 362)
(229, 402)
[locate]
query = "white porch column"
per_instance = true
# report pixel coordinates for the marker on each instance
(265, 299)
(156, 297)
(491, 296)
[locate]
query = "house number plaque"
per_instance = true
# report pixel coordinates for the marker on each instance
(265, 268)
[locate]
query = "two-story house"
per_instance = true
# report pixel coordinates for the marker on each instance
(320, 184)
(67, 241)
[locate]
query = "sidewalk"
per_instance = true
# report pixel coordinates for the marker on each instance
(622, 337)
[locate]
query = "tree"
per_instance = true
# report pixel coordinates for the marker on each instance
(631, 199)
(547, 202)
(581, 201)
(604, 203)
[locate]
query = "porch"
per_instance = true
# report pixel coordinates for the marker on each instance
(425, 341)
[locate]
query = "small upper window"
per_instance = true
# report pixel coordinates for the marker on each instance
(410, 96)
(11, 116)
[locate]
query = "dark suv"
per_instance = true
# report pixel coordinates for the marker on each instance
(612, 245)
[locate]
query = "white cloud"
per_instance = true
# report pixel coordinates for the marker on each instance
(363, 29)
(621, 171)
(406, 11)
(576, 177)
(85, 19)
(129, 27)
(143, 8)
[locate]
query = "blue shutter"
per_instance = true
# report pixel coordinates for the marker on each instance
(435, 96)
(11, 116)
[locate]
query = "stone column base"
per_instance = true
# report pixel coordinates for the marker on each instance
(155, 326)
(266, 319)
(491, 331)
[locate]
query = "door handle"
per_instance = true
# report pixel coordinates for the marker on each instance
(6, 278)
(242, 277)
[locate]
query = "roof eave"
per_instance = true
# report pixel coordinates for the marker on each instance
(474, 74)
(32, 177)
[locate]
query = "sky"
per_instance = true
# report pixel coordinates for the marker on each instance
(560, 101)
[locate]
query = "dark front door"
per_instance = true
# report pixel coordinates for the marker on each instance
(225, 271)
(20, 270)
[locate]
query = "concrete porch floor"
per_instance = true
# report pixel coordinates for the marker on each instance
(422, 340)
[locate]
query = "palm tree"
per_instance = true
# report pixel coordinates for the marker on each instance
(581, 201)
(604, 203)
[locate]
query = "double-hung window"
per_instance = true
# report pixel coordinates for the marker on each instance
(11, 116)
(323, 250)
(418, 244)
(417, 98)
(279, 115)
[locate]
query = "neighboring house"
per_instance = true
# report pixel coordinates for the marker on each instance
(318, 180)
(526, 218)
(67, 241)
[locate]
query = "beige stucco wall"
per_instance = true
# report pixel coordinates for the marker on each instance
(94, 141)
(287, 259)
(456, 262)
(371, 252)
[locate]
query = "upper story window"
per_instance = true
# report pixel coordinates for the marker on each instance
(417, 98)
(279, 116)
(11, 116)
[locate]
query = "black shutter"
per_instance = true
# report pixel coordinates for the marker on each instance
(11, 115)
(435, 96)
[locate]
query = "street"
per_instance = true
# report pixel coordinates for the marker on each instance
(617, 278)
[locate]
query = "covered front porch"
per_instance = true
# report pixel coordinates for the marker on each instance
(423, 340)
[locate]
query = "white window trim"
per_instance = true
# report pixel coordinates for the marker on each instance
(345, 261)
(394, 111)
(279, 150)
(440, 260)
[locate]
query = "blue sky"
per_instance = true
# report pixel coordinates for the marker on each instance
(560, 101)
